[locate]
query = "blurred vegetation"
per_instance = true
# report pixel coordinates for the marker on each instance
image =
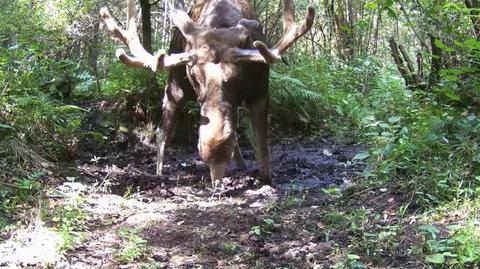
(422, 126)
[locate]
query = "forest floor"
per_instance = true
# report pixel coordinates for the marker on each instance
(118, 214)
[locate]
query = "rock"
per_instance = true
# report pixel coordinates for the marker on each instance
(264, 191)
(72, 187)
(327, 152)
(161, 256)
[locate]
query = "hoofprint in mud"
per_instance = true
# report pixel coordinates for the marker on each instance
(183, 220)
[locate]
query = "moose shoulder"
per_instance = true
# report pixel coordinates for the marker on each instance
(221, 55)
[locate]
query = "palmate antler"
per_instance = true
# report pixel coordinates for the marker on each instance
(159, 61)
(291, 33)
(141, 57)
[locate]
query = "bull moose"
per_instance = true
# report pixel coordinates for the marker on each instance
(219, 52)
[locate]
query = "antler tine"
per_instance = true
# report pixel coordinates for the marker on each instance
(291, 33)
(131, 17)
(184, 23)
(288, 18)
(130, 38)
(141, 57)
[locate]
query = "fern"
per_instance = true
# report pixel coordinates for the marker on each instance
(291, 88)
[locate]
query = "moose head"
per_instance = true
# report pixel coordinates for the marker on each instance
(226, 64)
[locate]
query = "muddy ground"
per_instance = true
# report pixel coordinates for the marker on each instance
(239, 224)
(187, 224)
(178, 220)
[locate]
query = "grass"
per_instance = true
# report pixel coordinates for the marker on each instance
(70, 221)
(451, 236)
(134, 248)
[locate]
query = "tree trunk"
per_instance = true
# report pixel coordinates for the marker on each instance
(152, 90)
(420, 74)
(419, 36)
(399, 62)
(146, 25)
(436, 63)
(375, 43)
(474, 6)
(409, 62)
(93, 46)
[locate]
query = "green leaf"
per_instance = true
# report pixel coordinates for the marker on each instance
(387, 3)
(269, 221)
(384, 125)
(72, 108)
(471, 43)
(361, 156)
(353, 257)
(391, 13)
(444, 47)
(452, 78)
(437, 258)
(371, 5)
(432, 230)
(4, 126)
(451, 6)
(255, 230)
(452, 96)
(393, 119)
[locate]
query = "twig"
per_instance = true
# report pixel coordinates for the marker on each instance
(9, 184)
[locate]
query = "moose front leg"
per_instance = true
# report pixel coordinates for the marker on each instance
(171, 104)
(237, 153)
(258, 116)
(164, 130)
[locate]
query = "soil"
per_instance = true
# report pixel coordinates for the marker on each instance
(188, 223)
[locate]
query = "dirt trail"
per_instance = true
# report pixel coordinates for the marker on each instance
(188, 224)
(178, 221)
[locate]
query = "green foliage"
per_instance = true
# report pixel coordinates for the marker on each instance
(351, 261)
(460, 248)
(266, 227)
(319, 94)
(70, 220)
(134, 247)
(433, 148)
(19, 196)
(426, 142)
(35, 81)
(23, 191)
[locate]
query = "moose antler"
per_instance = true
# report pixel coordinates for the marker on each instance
(141, 57)
(291, 33)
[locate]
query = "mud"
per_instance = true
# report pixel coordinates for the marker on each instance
(188, 223)
(297, 165)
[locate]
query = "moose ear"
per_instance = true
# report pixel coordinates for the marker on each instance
(251, 25)
(243, 30)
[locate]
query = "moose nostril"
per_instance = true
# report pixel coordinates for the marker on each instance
(204, 120)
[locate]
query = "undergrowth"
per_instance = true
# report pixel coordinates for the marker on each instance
(424, 145)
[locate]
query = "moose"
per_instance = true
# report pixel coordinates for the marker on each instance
(217, 51)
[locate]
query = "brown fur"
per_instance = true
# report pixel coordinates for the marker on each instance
(220, 85)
